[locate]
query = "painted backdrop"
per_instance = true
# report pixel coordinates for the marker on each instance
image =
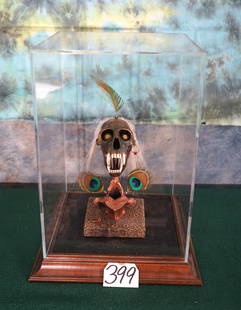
(214, 25)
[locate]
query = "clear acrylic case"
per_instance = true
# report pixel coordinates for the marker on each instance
(160, 78)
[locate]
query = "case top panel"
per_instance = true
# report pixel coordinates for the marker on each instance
(100, 42)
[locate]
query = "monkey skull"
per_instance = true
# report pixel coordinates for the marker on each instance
(116, 140)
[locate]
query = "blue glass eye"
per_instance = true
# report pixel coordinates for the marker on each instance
(135, 183)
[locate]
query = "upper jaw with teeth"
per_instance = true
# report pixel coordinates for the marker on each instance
(115, 162)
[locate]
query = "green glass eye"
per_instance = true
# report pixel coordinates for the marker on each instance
(135, 183)
(94, 184)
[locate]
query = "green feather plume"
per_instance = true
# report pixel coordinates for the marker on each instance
(116, 99)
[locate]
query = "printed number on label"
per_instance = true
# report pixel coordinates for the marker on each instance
(121, 275)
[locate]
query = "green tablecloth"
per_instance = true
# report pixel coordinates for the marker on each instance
(216, 235)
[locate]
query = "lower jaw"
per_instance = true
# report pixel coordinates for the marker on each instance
(114, 173)
(115, 163)
(115, 167)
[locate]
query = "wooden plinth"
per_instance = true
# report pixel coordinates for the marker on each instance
(159, 256)
(99, 224)
(81, 268)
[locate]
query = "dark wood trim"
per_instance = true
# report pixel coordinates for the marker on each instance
(11, 185)
(55, 221)
(179, 225)
(35, 185)
(83, 268)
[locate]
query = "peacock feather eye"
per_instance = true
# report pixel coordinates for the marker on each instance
(138, 180)
(91, 183)
(94, 184)
(135, 183)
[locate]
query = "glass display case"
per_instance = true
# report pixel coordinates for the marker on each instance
(117, 118)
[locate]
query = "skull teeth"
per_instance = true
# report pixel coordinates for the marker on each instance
(124, 159)
(115, 155)
(110, 159)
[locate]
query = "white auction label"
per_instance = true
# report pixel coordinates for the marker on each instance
(121, 275)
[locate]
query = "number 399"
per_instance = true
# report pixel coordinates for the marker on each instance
(120, 275)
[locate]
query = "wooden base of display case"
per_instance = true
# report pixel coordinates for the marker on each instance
(159, 256)
(80, 268)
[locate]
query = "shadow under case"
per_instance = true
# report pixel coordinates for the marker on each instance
(160, 80)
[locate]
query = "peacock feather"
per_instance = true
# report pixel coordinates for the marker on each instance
(116, 99)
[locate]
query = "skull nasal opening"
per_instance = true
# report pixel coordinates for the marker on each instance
(116, 144)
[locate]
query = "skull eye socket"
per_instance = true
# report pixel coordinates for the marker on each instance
(125, 135)
(107, 135)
